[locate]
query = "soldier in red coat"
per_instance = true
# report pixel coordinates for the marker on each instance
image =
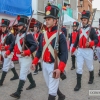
(72, 41)
(85, 51)
(46, 50)
(6, 39)
(36, 35)
(24, 56)
(98, 45)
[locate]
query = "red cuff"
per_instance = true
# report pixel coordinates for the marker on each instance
(27, 52)
(61, 66)
(73, 49)
(7, 47)
(8, 52)
(91, 43)
(35, 60)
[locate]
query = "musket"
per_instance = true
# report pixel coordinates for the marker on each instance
(24, 45)
(91, 25)
(57, 41)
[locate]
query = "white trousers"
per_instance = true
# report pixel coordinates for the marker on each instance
(51, 83)
(25, 64)
(8, 63)
(98, 53)
(84, 54)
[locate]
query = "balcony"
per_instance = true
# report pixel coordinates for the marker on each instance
(68, 11)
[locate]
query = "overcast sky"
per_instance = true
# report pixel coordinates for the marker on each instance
(96, 4)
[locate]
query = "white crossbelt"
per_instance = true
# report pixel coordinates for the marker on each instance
(98, 33)
(84, 32)
(3, 38)
(48, 45)
(2, 41)
(18, 38)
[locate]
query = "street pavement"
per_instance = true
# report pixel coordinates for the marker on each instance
(66, 86)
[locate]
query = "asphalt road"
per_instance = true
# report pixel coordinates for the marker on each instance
(66, 86)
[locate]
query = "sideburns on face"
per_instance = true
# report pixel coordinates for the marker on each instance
(55, 21)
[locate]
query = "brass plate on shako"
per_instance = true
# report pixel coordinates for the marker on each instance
(48, 13)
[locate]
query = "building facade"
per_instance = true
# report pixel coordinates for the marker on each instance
(41, 4)
(96, 19)
(87, 5)
(76, 11)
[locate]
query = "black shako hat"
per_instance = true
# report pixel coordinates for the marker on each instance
(51, 11)
(85, 14)
(5, 22)
(75, 24)
(37, 24)
(22, 20)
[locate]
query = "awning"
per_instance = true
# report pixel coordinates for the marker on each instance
(68, 20)
(16, 7)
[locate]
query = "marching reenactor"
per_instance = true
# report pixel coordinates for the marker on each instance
(98, 46)
(85, 51)
(36, 35)
(46, 50)
(25, 59)
(72, 41)
(6, 40)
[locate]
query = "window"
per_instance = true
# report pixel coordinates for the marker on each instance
(67, 1)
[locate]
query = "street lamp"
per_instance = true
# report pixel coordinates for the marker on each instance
(81, 3)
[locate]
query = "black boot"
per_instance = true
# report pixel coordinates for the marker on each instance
(91, 77)
(15, 74)
(2, 78)
(19, 90)
(60, 95)
(40, 67)
(78, 85)
(51, 97)
(32, 85)
(99, 73)
(36, 70)
(73, 62)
